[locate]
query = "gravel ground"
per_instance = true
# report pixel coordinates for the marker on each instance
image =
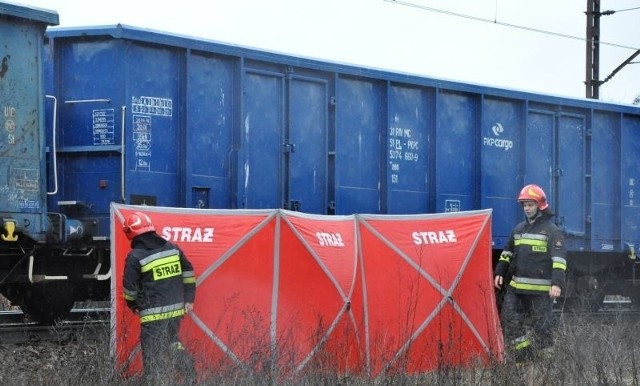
(52, 363)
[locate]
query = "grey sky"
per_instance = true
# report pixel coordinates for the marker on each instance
(409, 37)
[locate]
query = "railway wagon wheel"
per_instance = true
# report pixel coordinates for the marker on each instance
(583, 294)
(590, 301)
(47, 302)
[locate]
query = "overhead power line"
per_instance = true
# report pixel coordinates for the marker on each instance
(537, 30)
(624, 10)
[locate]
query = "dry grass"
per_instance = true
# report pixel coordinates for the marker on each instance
(587, 353)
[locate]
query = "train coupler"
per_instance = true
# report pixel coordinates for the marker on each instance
(10, 227)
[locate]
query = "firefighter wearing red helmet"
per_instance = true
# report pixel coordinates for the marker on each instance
(136, 224)
(159, 287)
(534, 264)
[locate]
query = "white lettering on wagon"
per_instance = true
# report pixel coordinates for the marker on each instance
(103, 127)
(188, 235)
(404, 151)
(496, 141)
(434, 237)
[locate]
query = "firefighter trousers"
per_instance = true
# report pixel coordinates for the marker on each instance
(165, 360)
(527, 321)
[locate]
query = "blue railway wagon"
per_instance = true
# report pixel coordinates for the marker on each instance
(146, 117)
(21, 103)
(24, 221)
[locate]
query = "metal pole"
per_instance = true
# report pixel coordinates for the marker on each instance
(592, 81)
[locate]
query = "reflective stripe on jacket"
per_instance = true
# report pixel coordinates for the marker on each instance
(158, 282)
(536, 254)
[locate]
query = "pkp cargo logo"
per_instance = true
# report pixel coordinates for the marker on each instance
(497, 129)
(496, 140)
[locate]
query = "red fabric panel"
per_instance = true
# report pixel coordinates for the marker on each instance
(241, 285)
(315, 278)
(410, 265)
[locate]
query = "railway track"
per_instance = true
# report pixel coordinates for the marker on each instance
(603, 316)
(611, 306)
(83, 323)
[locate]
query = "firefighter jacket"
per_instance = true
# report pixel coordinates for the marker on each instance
(158, 279)
(535, 255)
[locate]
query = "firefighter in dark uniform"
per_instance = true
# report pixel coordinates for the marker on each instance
(535, 255)
(159, 287)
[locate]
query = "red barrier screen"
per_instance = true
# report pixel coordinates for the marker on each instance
(357, 294)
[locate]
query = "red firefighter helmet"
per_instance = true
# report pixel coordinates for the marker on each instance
(534, 193)
(136, 224)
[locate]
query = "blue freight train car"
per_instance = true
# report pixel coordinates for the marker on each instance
(22, 145)
(144, 117)
(23, 212)
(151, 118)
